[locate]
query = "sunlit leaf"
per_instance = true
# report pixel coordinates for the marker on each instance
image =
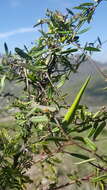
(49, 59)
(96, 114)
(90, 144)
(2, 83)
(93, 129)
(99, 178)
(70, 114)
(86, 161)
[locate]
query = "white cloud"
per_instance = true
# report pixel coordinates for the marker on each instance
(18, 31)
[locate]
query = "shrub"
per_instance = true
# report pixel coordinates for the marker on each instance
(42, 139)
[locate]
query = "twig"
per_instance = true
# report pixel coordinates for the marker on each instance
(86, 178)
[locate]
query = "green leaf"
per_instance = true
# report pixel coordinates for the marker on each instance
(39, 119)
(102, 185)
(99, 178)
(105, 88)
(87, 4)
(2, 83)
(49, 59)
(56, 129)
(89, 48)
(35, 55)
(62, 81)
(32, 111)
(69, 51)
(41, 21)
(93, 129)
(81, 156)
(99, 41)
(78, 138)
(70, 12)
(6, 49)
(96, 114)
(86, 161)
(80, 8)
(99, 129)
(35, 68)
(84, 30)
(65, 32)
(90, 144)
(22, 54)
(71, 112)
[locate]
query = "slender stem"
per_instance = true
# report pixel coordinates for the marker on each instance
(86, 178)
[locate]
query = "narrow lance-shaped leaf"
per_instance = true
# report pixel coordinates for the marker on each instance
(99, 130)
(90, 144)
(87, 4)
(99, 178)
(70, 12)
(2, 83)
(93, 129)
(69, 51)
(80, 7)
(22, 54)
(99, 41)
(84, 30)
(39, 53)
(6, 49)
(81, 156)
(89, 48)
(70, 114)
(26, 48)
(62, 81)
(49, 59)
(86, 161)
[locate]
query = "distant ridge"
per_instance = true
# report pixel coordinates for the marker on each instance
(95, 94)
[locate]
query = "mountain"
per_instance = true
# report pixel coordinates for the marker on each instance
(95, 95)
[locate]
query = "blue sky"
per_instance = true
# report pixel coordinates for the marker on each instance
(17, 18)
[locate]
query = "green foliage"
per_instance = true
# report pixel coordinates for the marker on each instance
(71, 112)
(41, 136)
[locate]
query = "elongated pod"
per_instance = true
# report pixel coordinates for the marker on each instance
(71, 111)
